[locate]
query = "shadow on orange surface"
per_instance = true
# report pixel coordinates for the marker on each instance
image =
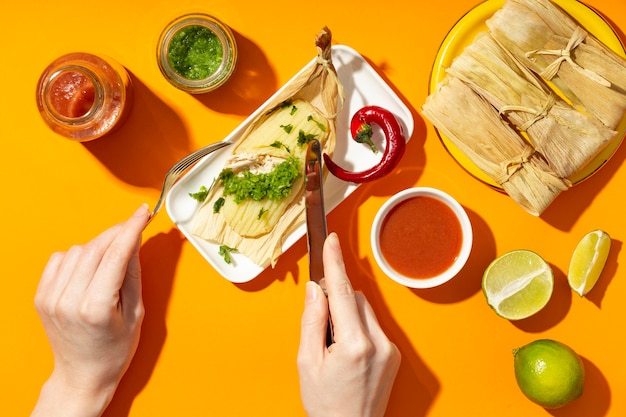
(287, 264)
(570, 204)
(419, 128)
(566, 209)
(561, 300)
(608, 273)
(142, 150)
(159, 257)
(415, 387)
(250, 85)
(145, 147)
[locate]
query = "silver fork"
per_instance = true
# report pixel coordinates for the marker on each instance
(179, 169)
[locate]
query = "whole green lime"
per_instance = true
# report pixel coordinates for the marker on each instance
(549, 373)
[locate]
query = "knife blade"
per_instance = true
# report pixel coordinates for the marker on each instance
(316, 217)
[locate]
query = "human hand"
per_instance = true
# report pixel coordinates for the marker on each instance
(89, 301)
(353, 377)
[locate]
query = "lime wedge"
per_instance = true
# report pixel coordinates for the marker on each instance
(518, 284)
(588, 261)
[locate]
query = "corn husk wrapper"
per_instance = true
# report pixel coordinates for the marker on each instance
(566, 137)
(317, 85)
(477, 130)
(549, 41)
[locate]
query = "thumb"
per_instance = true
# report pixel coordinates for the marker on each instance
(314, 322)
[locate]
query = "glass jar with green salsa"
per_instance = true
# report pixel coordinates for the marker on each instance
(197, 53)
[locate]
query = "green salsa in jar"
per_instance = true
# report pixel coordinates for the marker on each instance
(197, 53)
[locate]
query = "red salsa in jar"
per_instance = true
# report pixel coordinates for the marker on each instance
(72, 93)
(84, 96)
(421, 237)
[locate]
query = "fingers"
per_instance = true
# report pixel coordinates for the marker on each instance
(116, 260)
(68, 274)
(341, 297)
(86, 260)
(48, 284)
(313, 327)
(387, 351)
(368, 318)
(131, 288)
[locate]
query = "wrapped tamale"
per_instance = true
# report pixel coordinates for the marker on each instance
(567, 138)
(257, 199)
(546, 39)
(471, 124)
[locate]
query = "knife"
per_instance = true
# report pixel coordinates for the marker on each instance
(316, 217)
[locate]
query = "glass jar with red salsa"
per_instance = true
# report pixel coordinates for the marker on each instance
(197, 53)
(83, 96)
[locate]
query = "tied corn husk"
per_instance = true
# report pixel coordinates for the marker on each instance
(316, 89)
(476, 128)
(567, 138)
(549, 41)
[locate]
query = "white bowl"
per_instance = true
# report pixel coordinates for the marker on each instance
(459, 261)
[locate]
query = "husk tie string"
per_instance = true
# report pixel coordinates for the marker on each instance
(510, 167)
(578, 36)
(537, 114)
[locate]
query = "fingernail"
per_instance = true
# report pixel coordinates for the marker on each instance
(311, 292)
(141, 210)
(333, 240)
(322, 284)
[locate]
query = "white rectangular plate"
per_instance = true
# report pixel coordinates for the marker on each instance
(363, 87)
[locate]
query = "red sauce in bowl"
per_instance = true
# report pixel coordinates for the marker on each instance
(421, 237)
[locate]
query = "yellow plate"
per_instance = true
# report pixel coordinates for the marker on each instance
(471, 24)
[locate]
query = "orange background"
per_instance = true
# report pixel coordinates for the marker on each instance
(210, 347)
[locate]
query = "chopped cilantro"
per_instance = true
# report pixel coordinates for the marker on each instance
(278, 144)
(225, 253)
(200, 195)
(288, 103)
(261, 213)
(273, 185)
(304, 138)
(287, 128)
(320, 125)
(218, 204)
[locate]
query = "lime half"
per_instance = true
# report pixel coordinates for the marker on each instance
(549, 373)
(518, 284)
(588, 261)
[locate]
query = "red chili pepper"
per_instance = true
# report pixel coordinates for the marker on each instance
(361, 130)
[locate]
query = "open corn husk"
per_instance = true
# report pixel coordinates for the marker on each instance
(477, 130)
(317, 89)
(549, 41)
(567, 138)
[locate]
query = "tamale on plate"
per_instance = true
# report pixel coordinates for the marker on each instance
(566, 137)
(476, 128)
(546, 39)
